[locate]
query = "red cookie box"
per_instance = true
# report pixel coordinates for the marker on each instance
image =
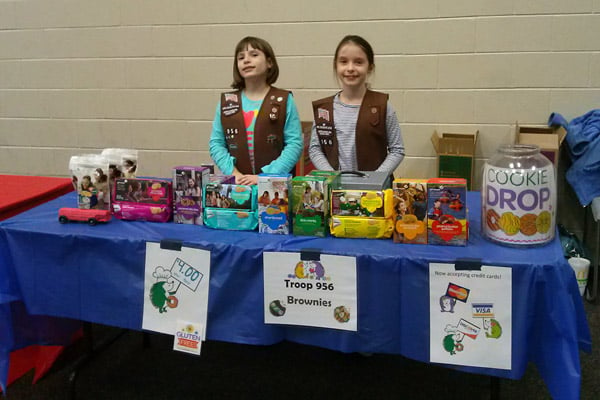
(447, 222)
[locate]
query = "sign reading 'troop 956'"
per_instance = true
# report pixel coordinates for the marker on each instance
(518, 205)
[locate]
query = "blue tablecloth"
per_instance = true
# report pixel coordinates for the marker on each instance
(96, 274)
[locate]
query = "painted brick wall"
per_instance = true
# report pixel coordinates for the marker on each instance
(77, 76)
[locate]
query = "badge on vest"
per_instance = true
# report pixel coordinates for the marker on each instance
(323, 114)
(274, 113)
(232, 146)
(231, 97)
(325, 134)
(324, 130)
(271, 138)
(374, 117)
(230, 109)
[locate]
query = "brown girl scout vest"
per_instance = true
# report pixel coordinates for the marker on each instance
(268, 129)
(371, 136)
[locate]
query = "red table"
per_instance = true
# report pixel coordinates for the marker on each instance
(17, 194)
(20, 193)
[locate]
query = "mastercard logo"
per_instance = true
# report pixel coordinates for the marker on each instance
(458, 292)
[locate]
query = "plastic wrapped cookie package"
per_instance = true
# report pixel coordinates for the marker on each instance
(90, 180)
(123, 163)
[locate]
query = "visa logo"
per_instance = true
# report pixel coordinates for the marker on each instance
(483, 310)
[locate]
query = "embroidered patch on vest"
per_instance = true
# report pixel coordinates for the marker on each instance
(325, 134)
(323, 114)
(230, 109)
(324, 130)
(271, 138)
(231, 97)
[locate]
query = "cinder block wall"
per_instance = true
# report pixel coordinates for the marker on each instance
(77, 76)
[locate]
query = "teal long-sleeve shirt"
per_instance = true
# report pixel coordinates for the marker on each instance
(292, 140)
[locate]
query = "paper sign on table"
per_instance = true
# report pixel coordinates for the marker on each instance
(176, 286)
(470, 316)
(188, 337)
(318, 291)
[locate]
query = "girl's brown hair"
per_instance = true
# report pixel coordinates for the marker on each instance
(360, 42)
(258, 44)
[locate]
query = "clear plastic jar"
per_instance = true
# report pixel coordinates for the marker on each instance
(518, 197)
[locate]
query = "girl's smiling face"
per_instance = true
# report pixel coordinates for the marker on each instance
(252, 63)
(352, 66)
(402, 206)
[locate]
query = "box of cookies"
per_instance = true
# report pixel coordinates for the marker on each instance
(142, 199)
(187, 193)
(310, 205)
(410, 211)
(230, 206)
(362, 213)
(447, 222)
(273, 216)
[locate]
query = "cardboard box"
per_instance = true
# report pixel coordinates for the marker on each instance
(304, 165)
(548, 139)
(456, 153)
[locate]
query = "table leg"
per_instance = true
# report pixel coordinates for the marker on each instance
(591, 291)
(91, 352)
(494, 388)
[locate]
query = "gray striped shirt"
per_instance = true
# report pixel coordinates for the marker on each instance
(345, 117)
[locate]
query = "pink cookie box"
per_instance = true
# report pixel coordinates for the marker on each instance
(143, 200)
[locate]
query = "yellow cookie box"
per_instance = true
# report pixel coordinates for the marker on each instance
(371, 217)
(362, 227)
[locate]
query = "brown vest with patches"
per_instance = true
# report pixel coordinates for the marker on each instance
(268, 129)
(371, 135)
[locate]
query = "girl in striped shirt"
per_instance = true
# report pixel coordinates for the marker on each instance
(357, 128)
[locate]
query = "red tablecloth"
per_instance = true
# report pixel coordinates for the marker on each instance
(17, 194)
(20, 193)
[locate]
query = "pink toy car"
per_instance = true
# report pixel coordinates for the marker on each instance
(92, 216)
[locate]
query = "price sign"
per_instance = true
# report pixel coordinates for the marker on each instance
(186, 274)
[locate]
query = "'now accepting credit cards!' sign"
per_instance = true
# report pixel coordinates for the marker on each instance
(470, 316)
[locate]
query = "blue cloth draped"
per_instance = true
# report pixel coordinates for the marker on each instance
(583, 140)
(97, 274)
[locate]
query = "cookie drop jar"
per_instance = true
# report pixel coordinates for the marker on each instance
(518, 197)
